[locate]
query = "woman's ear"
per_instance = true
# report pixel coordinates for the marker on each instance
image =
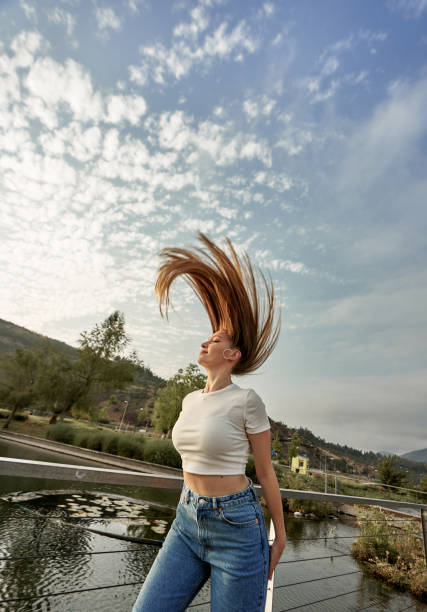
(236, 354)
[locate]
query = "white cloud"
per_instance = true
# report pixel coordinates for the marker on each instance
(70, 84)
(135, 4)
(107, 18)
(389, 139)
(59, 16)
(177, 131)
(262, 106)
(199, 22)
(30, 11)
(330, 66)
(159, 62)
(24, 45)
(125, 108)
(294, 140)
(277, 39)
(268, 8)
(277, 182)
(411, 9)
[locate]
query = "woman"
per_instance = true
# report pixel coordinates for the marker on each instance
(219, 530)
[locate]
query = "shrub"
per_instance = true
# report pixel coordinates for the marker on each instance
(111, 443)
(4, 414)
(82, 439)
(95, 440)
(250, 469)
(21, 416)
(130, 446)
(392, 549)
(162, 452)
(62, 432)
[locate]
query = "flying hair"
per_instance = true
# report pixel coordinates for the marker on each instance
(227, 286)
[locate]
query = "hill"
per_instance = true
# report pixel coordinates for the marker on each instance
(338, 457)
(13, 337)
(417, 455)
(140, 395)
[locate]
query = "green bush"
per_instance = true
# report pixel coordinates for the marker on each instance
(111, 443)
(95, 440)
(61, 432)
(82, 439)
(250, 469)
(130, 446)
(162, 452)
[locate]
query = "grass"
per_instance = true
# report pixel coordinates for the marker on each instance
(392, 549)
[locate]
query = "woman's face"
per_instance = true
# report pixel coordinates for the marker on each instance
(212, 352)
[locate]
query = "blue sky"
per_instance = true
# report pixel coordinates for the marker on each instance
(296, 128)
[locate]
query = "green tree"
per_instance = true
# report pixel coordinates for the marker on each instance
(100, 367)
(276, 445)
(423, 483)
(17, 385)
(169, 398)
(388, 474)
(54, 384)
(294, 446)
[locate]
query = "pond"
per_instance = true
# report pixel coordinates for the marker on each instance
(65, 538)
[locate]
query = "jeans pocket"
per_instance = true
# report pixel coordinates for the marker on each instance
(244, 515)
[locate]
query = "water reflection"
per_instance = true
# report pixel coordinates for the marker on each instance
(147, 513)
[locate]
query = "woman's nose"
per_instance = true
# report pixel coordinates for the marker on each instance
(205, 344)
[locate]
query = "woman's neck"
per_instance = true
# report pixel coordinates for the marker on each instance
(217, 381)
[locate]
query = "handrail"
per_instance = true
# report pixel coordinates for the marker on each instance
(77, 473)
(81, 473)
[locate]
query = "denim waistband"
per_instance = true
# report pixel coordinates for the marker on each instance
(233, 499)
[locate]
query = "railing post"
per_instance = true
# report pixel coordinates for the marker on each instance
(270, 587)
(424, 524)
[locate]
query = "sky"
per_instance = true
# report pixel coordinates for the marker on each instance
(297, 129)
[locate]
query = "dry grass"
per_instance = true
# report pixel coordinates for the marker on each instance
(392, 549)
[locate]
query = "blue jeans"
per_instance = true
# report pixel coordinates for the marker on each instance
(221, 538)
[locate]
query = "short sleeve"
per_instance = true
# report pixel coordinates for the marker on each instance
(256, 419)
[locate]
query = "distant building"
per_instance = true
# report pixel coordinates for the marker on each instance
(300, 464)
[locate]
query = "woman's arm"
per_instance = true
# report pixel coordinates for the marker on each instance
(261, 448)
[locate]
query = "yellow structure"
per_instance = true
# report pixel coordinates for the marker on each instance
(300, 464)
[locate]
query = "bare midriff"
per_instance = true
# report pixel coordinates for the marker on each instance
(212, 485)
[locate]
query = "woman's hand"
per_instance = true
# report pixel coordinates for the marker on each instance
(276, 550)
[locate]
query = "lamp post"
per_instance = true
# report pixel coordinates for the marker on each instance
(326, 477)
(124, 412)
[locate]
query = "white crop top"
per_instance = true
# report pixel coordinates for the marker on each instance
(210, 433)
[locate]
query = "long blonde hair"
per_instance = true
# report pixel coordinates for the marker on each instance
(227, 287)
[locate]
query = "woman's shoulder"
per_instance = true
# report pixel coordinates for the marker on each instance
(250, 395)
(192, 394)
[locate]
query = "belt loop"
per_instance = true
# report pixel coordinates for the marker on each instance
(214, 502)
(187, 496)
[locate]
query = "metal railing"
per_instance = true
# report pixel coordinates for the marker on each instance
(84, 474)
